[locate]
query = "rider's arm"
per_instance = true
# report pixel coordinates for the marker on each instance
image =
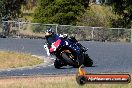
(47, 49)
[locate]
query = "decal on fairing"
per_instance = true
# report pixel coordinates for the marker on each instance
(55, 45)
(66, 43)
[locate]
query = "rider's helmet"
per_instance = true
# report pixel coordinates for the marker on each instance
(49, 32)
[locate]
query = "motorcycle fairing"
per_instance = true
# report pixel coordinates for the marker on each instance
(55, 45)
(71, 45)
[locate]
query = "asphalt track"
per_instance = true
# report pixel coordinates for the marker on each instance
(108, 57)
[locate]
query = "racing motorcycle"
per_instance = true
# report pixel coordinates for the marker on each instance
(68, 51)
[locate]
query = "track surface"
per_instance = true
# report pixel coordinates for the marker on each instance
(107, 57)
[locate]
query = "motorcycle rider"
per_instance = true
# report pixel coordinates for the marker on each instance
(51, 37)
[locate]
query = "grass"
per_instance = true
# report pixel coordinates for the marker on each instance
(13, 60)
(53, 82)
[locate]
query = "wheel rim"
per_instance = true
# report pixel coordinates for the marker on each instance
(70, 55)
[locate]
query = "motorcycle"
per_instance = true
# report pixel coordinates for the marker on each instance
(68, 51)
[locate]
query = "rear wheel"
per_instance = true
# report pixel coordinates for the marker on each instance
(88, 62)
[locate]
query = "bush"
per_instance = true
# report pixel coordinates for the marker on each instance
(97, 15)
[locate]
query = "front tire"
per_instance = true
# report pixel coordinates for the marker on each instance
(88, 62)
(70, 57)
(57, 64)
(76, 62)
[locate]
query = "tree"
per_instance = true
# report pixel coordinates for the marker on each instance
(10, 8)
(59, 11)
(29, 5)
(1, 7)
(124, 9)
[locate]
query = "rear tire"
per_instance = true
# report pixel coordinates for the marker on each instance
(88, 62)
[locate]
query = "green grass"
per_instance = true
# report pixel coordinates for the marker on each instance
(14, 60)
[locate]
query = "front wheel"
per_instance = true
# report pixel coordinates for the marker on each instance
(88, 62)
(57, 64)
(71, 58)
